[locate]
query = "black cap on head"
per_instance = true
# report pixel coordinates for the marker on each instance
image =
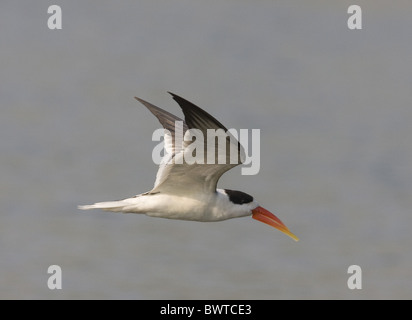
(238, 197)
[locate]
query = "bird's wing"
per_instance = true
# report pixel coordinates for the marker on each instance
(172, 146)
(177, 173)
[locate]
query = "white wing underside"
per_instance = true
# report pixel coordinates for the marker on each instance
(175, 174)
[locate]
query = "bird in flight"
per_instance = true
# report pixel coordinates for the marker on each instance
(187, 190)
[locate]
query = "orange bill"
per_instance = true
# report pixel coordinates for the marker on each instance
(262, 215)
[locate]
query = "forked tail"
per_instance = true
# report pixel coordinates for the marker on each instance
(115, 206)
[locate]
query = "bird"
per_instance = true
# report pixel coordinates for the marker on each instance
(187, 190)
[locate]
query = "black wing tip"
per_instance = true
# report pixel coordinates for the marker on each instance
(140, 100)
(148, 105)
(176, 97)
(183, 103)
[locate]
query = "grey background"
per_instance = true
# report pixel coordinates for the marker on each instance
(333, 106)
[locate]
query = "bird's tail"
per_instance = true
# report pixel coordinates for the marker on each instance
(115, 206)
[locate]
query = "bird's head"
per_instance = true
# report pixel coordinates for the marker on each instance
(259, 213)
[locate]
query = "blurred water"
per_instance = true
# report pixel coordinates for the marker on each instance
(333, 106)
